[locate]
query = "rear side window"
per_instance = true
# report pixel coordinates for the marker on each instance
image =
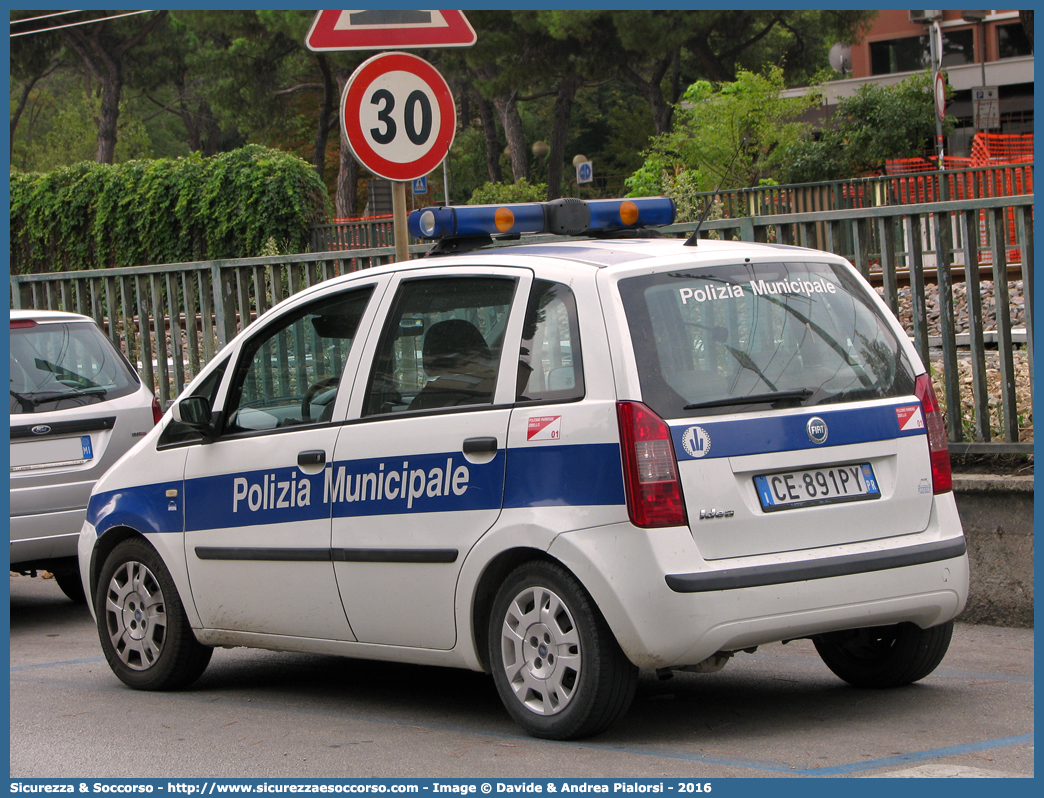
(58, 366)
(749, 337)
(550, 368)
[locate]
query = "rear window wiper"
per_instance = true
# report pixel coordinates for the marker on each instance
(798, 394)
(56, 396)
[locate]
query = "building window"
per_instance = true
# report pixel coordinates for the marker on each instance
(913, 53)
(1012, 41)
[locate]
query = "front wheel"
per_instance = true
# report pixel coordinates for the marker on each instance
(556, 664)
(884, 656)
(144, 632)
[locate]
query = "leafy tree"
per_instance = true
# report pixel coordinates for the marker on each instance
(738, 132)
(661, 52)
(104, 47)
(877, 124)
(33, 58)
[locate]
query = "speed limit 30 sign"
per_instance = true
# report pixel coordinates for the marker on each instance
(398, 117)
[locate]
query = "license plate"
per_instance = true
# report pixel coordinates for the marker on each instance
(29, 454)
(786, 490)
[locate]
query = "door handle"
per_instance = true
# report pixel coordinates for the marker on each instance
(311, 458)
(480, 445)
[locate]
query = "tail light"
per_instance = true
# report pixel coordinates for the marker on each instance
(654, 494)
(157, 411)
(938, 448)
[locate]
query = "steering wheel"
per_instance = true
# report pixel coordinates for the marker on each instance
(306, 402)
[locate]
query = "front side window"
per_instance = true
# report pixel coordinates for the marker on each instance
(441, 345)
(59, 366)
(550, 367)
(288, 374)
(750, 337)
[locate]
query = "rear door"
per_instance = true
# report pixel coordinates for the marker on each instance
(791, 405)
(418, 472)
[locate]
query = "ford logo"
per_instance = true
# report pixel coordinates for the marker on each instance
(816, 429)
(41, 429)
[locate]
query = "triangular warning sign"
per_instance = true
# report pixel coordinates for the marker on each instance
(396, 29)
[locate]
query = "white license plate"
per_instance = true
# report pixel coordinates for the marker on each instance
(30, 454)
(786, 490)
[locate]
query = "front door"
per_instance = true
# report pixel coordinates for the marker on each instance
(257, 528)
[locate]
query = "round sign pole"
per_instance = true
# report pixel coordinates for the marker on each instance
(398, 117)
(402, 238)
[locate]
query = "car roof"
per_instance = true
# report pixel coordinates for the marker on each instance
(48, 316)
(606, 253)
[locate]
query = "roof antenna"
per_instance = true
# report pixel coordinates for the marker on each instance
(693, 240)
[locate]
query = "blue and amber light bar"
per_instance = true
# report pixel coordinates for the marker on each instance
(561, 217)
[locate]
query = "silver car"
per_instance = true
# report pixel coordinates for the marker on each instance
(76, 407)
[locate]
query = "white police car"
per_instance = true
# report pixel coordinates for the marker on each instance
(558, 463)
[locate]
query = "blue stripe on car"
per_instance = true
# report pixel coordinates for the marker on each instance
(767, 434)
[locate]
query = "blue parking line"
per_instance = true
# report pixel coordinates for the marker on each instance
(54, 664)
(855, 767)
(921, 756)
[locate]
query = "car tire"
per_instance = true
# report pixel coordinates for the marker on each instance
(71, 585)
(556, 664)
(884, 656)
(144, 632)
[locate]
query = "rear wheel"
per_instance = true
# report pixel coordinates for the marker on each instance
(884, 656)
(556, 664)
(144, 631)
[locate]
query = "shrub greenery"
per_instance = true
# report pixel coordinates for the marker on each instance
(501, 193)
(91, 216)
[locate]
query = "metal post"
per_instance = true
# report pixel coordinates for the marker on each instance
(402, 240)
(936, 55)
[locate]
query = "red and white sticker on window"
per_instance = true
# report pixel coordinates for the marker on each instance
(544, 428)
(910, 418)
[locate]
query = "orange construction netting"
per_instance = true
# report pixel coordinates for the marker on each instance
(1003, 168)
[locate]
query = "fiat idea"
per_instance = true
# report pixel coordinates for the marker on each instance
(556, 462)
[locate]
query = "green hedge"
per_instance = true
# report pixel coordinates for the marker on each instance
(234, 205)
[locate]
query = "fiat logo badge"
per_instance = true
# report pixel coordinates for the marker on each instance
(816, 429)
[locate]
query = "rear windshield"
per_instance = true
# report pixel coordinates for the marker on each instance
(58, 366)
(750, 337)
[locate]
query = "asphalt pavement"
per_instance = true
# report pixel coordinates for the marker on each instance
(775, 713)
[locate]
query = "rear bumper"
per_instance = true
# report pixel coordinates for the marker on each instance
(45, 536)
(668, 607)
(825, 568)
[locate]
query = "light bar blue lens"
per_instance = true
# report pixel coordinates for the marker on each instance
(620, 214)
(477, 220)
(530, 217)
(500, 219)
(434, 222)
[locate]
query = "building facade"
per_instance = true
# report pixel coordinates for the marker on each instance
(987, 57)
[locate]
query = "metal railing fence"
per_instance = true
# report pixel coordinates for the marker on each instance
(863, 192)
(875, 191)
(171, 319)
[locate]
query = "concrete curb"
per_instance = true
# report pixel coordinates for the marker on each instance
(997, 514)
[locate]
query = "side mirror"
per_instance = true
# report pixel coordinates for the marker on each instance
(194, 412)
